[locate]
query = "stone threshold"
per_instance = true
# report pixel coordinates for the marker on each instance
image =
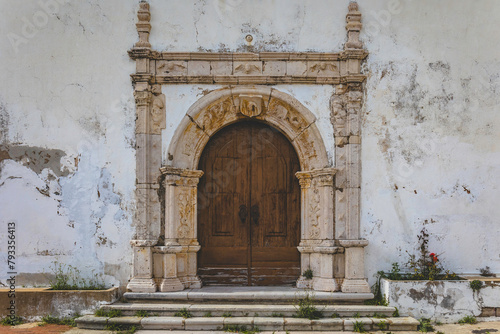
(256, 294)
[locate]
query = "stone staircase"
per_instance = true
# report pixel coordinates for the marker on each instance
(262, 309)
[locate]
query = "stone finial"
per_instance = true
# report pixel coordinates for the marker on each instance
(143, 25)
(353, 27)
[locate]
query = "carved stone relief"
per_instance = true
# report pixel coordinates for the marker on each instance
(330, 239)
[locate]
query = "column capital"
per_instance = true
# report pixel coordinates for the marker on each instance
(143, 243)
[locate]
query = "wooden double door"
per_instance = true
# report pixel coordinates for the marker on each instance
(249, 208)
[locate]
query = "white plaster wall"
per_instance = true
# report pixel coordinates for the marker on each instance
(431, 123)
(66, 89)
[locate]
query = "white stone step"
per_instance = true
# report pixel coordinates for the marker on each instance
(263, 323)
(240, 310)
(245, 295)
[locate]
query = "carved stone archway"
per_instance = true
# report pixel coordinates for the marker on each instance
(165, 257)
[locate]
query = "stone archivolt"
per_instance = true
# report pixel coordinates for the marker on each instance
(165, 258)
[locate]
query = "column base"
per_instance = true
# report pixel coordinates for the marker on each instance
(325, 284)
(142, 285)
(304, 283)
(171, 284)
(191, 282)
(359, 285)
(194, 282)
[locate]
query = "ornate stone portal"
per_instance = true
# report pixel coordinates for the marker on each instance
(165, 258)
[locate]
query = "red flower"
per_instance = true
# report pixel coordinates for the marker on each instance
(432, 254)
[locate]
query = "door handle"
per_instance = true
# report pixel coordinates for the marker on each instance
(243, 213)
(255, 214)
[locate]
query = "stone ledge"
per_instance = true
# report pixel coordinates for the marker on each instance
(33, 303)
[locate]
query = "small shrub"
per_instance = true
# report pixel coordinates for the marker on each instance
(439, 332)
(108, 313)
(48, 319)
(142, 313)
(12, 321)
(121, 329)
(240, 329)
(67, 277)
(486, 272)
(227, 315)
(382, 325)
(308, 274)
(208, 315)
(468, 319)
(335, 315)
(183, 313)
(277, 315)
(356, 315)
(358, 327)
(476, 285)
(379, 316)
(425, 325)
(395, 273)
(306, 309)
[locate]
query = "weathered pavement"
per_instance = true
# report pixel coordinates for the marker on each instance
(479, 328)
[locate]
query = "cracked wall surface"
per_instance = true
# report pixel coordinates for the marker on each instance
(431, 123)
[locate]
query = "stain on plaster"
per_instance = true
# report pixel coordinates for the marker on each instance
(35, 158)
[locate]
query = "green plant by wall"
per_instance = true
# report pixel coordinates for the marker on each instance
(67, 277)
(395, 314)
(425, 325)
(184, 313)
(277, 315)
(476, 285)
(468, 319)
(227, 315)
(12, 321)
(306, 309)
(308, 274)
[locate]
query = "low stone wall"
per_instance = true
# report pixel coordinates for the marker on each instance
(445, 301)
(32, 304)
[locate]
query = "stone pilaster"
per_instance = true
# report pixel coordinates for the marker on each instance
(142, 278)
(317, 246)
(150, 120)
(180, 222)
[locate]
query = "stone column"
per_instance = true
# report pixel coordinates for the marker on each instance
(317, 245)
(180, 223)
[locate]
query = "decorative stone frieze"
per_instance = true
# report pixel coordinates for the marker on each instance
(165, 258)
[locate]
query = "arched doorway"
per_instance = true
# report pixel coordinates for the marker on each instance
(249, 207)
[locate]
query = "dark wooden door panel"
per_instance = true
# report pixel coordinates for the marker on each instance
(249, 228)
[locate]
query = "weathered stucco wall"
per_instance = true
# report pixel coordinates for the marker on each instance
(431, 121)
